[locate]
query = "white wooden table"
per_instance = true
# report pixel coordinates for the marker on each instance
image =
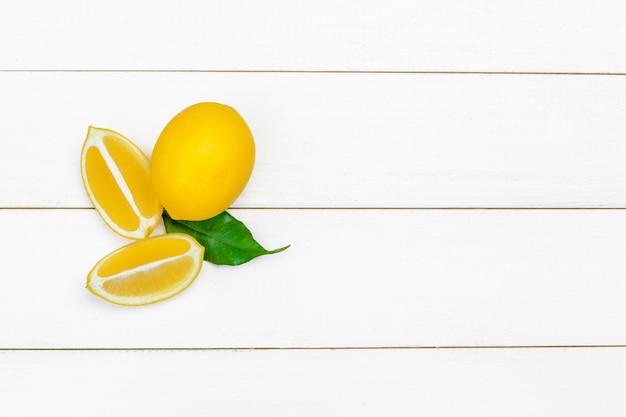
(451, 176)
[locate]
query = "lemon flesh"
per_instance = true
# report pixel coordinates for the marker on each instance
(148, 270)
(116, 177)
(202, 161)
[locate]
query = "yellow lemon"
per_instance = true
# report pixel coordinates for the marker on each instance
(148, 270)
(202, 161)
(116, 176)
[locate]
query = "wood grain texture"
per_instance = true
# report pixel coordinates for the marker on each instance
(511, 382)
(347, 35)
(365, 278)
(393, 107)
(341, 140)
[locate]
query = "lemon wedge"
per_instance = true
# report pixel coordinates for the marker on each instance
(148, 270)
(116, 176)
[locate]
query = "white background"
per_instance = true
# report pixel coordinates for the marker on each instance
(451, 176)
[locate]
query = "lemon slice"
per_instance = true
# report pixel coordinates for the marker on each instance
(116, 176)
(148, 270)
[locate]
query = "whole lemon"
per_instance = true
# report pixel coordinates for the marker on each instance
(202, 161)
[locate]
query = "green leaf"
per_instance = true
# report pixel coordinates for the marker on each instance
(226, 240)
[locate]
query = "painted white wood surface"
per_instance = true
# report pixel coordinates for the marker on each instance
(351, 278)
(440, 382)
(341, 140)
(370, 35)
(345, 117)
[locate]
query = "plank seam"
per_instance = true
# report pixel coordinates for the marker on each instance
(444, 347)
(364, 208)
(269, 71)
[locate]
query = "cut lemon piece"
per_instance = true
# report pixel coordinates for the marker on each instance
(116, 176)
(148, 270)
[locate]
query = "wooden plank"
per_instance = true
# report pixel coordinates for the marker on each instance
(448, 382)
(351, 35)
(341, 140)
(351, 278)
